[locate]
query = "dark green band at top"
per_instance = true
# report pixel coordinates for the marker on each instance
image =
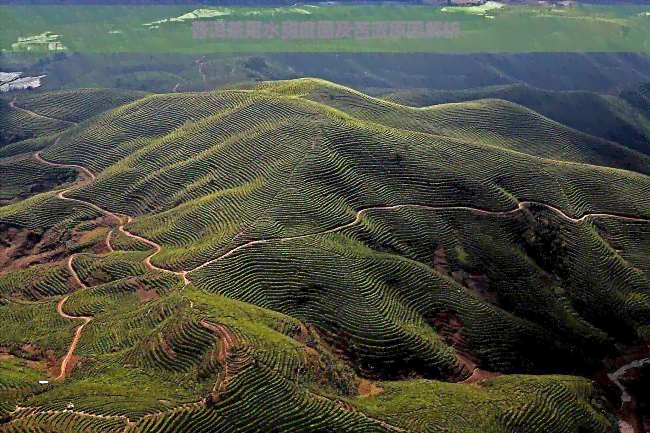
(490, 27)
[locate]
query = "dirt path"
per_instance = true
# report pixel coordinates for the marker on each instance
(12, 104)
(77, 333)
(91, 176)
(35, 411)
(108, 241)
(84, 171)
(157, 248)
(628, 403)
(227, 340)
(477, 373)
(361, 212)
(203, 76)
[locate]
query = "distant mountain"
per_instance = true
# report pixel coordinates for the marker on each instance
(372, 72)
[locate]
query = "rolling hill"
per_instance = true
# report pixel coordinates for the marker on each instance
(297, 255)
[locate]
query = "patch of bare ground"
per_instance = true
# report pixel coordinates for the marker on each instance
(322, 365)
(478, 284)
(341, 349)
(623, 373)
(41, 360)
(440, 261)
(96, 277)
(30, 350)
(450, 329)
(165, 344)
(55, 370)
(38, 365)
(5, 355)
(366, 388)
(96, 237)
(21, 247)
(232, 356)
(50, 364)
(145, 294)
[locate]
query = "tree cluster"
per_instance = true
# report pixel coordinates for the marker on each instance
(7, 137)
(546, 244)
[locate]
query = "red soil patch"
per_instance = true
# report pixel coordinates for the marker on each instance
(340, 348)
(450, 329)
(38, 365)
(97, 277)
(310, 354)
(14, 243)
(83, 237)
(30, 349)
(227, 339)
(478, 284)
(46, 361)
(229, 355)
(368, 389)
(440, 261)
(5, 356)
(21, 247)
(628, 413)
(166, 346)
(145, 295)
(52, 364)
(303, 335)
(477, 373)
(54, 369)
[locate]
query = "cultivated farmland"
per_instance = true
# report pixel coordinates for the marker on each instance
(297, 255)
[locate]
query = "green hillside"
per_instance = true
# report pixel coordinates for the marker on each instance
(300, 256)
(620, 117)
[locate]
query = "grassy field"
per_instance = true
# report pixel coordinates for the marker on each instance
(350, 260)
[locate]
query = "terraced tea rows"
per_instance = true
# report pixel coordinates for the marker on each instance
(77, 105)
(266, 278)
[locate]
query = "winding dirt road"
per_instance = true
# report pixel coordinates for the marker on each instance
(84, 171)
(12, 104)
(108, 241)
(521, 206)
(203, 76)
(120, 221)
(476, 373)
(86, 319)
(31, 411)
(157, 248)
(628, 402)
(88, 176)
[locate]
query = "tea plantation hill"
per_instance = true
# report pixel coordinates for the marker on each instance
(300, 256)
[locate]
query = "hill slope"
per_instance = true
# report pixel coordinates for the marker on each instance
(300, 256)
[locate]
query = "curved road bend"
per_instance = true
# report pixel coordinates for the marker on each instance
(360, 213)
(12, 104)
(86, 319)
